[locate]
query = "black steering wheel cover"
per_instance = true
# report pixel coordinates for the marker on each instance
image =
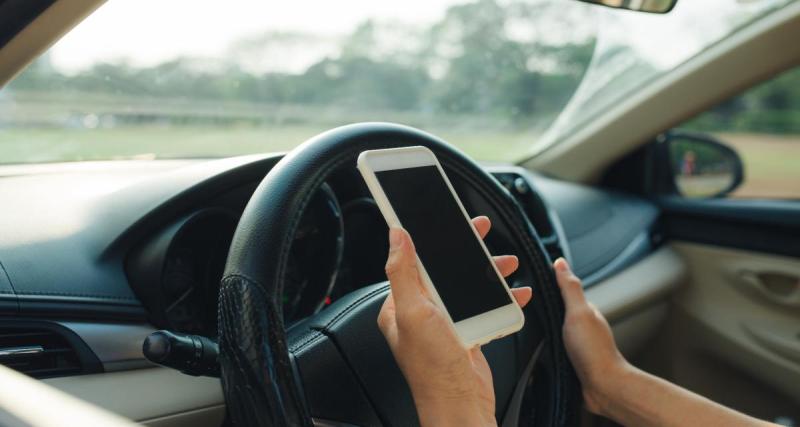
(257, 376)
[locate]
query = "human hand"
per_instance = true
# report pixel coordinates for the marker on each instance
(589, 341)
(451, 385)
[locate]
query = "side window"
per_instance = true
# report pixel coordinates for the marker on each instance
(763, 126)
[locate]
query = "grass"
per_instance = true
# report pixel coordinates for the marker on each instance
(772, 162)
(131, 127)
(50, 145)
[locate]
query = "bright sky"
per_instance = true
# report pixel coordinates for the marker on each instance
(151, 31)
(146, 32)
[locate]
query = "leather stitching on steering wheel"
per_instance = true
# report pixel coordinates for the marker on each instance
(355, 303)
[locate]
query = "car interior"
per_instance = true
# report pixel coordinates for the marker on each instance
(176, 291)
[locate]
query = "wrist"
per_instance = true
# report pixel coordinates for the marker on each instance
(450, 412)
(603, 391)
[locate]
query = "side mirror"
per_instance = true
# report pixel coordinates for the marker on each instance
(702, 166)
(650, 6)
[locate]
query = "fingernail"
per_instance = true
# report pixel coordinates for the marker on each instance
(562, 265)
(395, 238)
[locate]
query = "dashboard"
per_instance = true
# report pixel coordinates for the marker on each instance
(141, 245)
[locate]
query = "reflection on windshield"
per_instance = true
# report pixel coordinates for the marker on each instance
(485, 75)
(490, 76)
(632, 49)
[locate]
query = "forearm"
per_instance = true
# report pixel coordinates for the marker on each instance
(637, 398)
(452, 414)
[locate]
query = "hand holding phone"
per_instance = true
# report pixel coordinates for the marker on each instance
(451, 385)
(413, 192)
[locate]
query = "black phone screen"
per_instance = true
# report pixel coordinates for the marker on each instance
(445, 243)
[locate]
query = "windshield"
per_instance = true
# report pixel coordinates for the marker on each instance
(186, 78)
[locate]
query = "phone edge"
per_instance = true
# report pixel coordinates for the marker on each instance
(390, 216)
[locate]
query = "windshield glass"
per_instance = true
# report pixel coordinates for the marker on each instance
(186, 78)
(634, 48)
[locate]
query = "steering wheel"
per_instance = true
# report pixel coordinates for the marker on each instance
(335, 367)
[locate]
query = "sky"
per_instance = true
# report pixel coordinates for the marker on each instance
(147, 32)
(151, 31)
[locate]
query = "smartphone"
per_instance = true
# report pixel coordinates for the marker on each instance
(413, 192)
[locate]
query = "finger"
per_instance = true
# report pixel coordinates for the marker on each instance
(401, 269)
(482, 365)
(570, 285)
(507, 264)
(522, 295)
(386, 319)
(482, 225)
(387, 313)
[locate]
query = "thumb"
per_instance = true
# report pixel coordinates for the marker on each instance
(401, 267)
(569, 284)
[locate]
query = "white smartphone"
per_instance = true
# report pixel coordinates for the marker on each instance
(413, 192)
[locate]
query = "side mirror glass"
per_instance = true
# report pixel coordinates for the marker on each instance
(650, 6)
(701, 166)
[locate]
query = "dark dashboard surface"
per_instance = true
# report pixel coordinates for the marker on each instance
(70, 231)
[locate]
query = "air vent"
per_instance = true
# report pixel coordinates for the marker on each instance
(42, 352)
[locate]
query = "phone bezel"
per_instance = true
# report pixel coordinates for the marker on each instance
(476, 330)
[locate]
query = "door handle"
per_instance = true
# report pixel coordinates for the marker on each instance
(777, 287)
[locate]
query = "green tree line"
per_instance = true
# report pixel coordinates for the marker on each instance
(481, 70)
(466, 63)
(771, 107)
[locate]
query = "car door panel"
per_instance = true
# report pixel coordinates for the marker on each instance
(767, 226)
(636, 302)
(726, 340)
(726, 182)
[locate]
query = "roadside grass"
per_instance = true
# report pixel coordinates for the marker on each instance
(772, 162)
(147, 142)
